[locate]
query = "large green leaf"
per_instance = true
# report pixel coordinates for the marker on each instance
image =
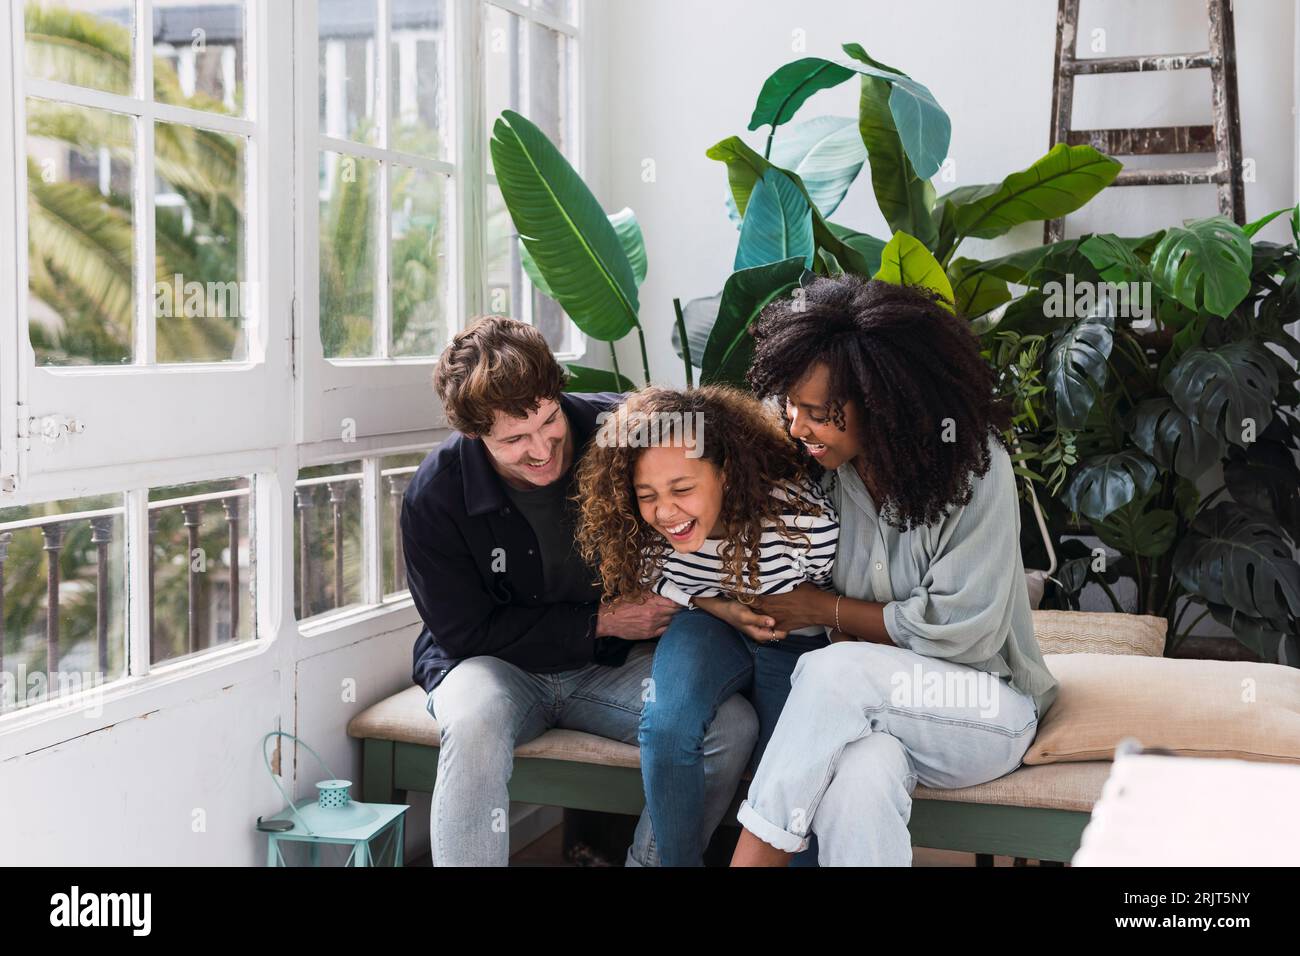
(777, 225)
(976, 292)
(1264, 476)
(923, 126)
(1254, 632)
(904, 198)
(1056, 184)
(629, 235)
(790, 86)
(1105, 483)
(1113, 258)
(1133, 530)
(1029, 266)
(826, 153)
(869, 247)
(1076, 366)
(1225, 389)
(584, 379)
(1253, 227)
(570, 238)
(745, 168)
(730, 348)
(1173, 440)
(1235, 557)
(1204, 264)
(699, 316)
(905, 261)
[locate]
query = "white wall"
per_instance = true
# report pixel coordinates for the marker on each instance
(680, 75)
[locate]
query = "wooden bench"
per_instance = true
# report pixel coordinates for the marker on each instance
(1036, 812)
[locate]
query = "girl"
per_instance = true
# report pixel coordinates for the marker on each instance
(715, 524)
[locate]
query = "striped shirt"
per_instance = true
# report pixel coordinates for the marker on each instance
(783, 563)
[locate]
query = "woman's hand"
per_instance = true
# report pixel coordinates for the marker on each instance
(753, 624)
(805, 606)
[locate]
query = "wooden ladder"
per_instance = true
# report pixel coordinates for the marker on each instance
(1222, 137)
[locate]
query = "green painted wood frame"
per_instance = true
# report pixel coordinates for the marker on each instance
(391, 768)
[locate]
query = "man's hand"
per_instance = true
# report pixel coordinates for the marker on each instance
(753, 624)
(636, 620)
(805, 606)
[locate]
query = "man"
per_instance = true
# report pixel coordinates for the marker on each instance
(516, 640)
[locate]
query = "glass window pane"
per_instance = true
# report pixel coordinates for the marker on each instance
(419, 67)
(327, 538)
(564, 9)
(504, 272)
(347, 69)
(394, 475)
(73, 552)
(501, 63)
(417, 261)
(83, 42)
(553, 323)
(199, 54)
(548, 85)
(201, 295)
(201, 558)
(81, 253)
(348, 214)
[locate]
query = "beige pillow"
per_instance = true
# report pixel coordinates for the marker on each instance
(1089, 632)
(1208, 708)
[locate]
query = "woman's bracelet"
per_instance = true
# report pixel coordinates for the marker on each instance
(838, 599)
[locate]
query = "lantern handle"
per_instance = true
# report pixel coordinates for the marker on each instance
(276, 780)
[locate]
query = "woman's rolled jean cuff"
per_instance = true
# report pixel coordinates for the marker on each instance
(769, 833)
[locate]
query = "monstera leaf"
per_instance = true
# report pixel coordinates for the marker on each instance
(1106, 483)
(576, 249)
(777, 225)
(1173, 440)
(1204, 264)
(1134, 530)
(730, 348)
(1235, 557)
(1076, 366)
(905, 261)
(1256, 633)
(1113, 258)
(1228, 392)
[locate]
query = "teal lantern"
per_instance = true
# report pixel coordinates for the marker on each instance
(373, 831)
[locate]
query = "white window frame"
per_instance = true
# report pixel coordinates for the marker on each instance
(393, 396)
(170, 411)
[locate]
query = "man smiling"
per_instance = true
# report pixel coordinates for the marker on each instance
(516, 640)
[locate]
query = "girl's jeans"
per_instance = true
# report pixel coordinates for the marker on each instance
(699, 663)
(865, 722)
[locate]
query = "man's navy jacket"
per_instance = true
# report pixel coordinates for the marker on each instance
(475, 569)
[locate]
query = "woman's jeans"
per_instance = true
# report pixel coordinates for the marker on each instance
(699, 663)
(865, 722)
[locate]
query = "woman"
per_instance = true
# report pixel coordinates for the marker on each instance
(711, 517)
(933, 673)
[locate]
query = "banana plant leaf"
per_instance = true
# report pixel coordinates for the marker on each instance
(869, 247)
(1228, 391)
(1234, 556)
(629, 235)
(1077, 365)
(730, 348)
(826, 153)
(745, 168)
(699, 316)
(1056, 184)
(575, 248)
(1105, 483)
(585, 379)
(777, 224)
(1173, 440)
(1251, 228)
(1204, 264)
(923, 127)
(976, 292)
(905, 261)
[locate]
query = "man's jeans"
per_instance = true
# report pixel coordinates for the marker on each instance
(865, 722)
(485, 707)
(702, 661)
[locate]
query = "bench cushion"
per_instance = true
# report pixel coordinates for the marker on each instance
(1091, 632)
(403, 718)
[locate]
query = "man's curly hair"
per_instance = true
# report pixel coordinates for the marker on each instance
(916, 376)
(740, 437)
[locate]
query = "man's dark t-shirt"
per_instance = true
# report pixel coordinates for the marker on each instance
(551, 514)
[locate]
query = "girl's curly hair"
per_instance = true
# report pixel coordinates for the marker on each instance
(740, 437)
(925, 397)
